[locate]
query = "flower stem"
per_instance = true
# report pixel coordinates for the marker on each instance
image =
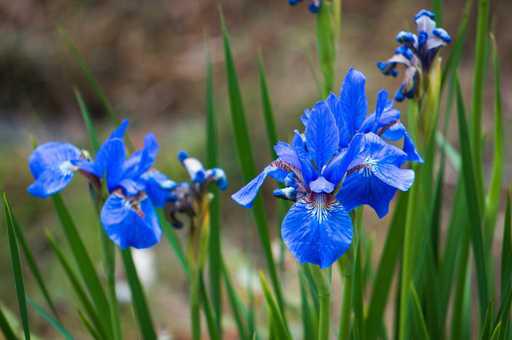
(324, 297)
(344, 330)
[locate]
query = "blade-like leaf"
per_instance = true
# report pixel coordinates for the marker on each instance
(96, 326)
(325, 46)
(493, 195)
(139, 300)
(386, 268)
(16, 267)
(84, 263)
(215, 265)
(248, 166)
(51, 320)
(91, 131)
(235, 303)
(276, 317)
(6, 328)
(474, 211)
(418, 317)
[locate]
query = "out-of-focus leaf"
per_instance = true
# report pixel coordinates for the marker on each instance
(7, 330)
(244, 149)
(325, 45)
(418, 317)
(275, 315)
(16, 267)
(493, 195)
(474, 210)
(51, 320)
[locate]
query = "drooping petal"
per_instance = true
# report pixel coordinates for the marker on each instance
(361, 188)
(246, 196)
(127, 226)
(52, 180)
(218, 176)
(352, 106)
(158, 187)
(392, 175)
(322, 137)
(51, 154)
(396, 132)
(317, 232)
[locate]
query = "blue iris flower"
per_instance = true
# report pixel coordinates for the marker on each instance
(313, 7)
(416, 53)
(187, 196)
(339, 163)
(134, 186)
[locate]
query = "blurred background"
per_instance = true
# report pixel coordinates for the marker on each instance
(149, 57)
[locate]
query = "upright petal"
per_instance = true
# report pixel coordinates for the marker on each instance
(127, 226)
(317, 232)
(120, 131)
(142, 160)
(111, 153)
(299, 145)
(353, 106)
(322, 137)
(51, 154)
(287, 154)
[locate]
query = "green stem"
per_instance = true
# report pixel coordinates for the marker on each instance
(324, 297)
(344, 330)
(195, 316)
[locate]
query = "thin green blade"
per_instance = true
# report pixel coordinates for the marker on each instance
(16, 267)
(51, 320)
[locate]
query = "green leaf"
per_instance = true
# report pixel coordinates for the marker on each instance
(139, 301)
(458, 47)
(84, 262)
(437, 6)
(268, 112)
(449, 150)
(16, 267)
(481, 54)
(32, 264)
(418, 317)
(215, 265)
(506, 251)
(235, 303)
(51, 320)
(174, 243)
(208, 312)
(6, 327)
(97, 326)
(493, 195)
(89, 125)
(386, 269)
(306, 311)
(248, 166)
(276, 318)
(474, 211)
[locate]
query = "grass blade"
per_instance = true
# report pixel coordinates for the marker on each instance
(87, 305)
(139, 301)
(51, 320)
(268, 112)
(245, 155)
(91, 131)
(474, 211)
(215, 265)
(6, 327)
(235, 303)
(174, 243)
(84, 263)
(276, 318)
(386, 268)
(418, 316)
(481, 53)
(16, 267)
(493, 195)
(32, 264)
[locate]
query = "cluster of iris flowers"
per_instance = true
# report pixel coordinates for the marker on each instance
(341, 161)
(135, 188)
(416, 54)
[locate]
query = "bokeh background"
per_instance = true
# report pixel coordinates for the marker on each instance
(149, 57)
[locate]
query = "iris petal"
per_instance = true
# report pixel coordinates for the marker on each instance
(353, 106)
(158, 187)
(336, 169)
(359, 189)
(52, 180)
(127, 227)
(246, 196)
(317, 234)
(322, 138)
(49, 154)
(401, 179)
(142, 160)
